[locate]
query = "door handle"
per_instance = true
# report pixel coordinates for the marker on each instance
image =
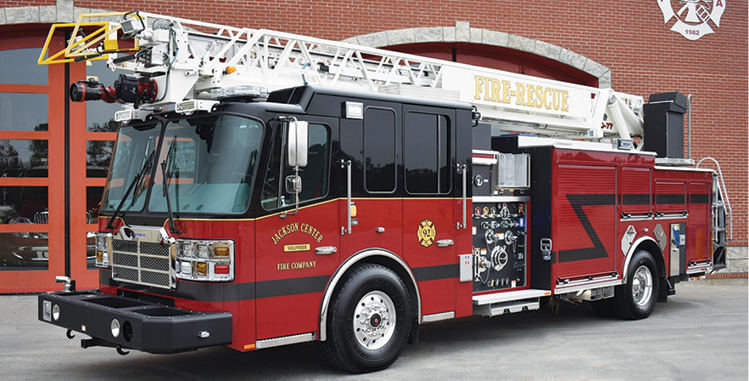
(462, 169)
(347, 229)
(324, 250)
(445, 243)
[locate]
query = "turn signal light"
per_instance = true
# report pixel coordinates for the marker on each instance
(201, 268)
(222, 252)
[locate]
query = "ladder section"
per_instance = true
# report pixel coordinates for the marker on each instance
(508, 302)
(195, 60)
(721, 207)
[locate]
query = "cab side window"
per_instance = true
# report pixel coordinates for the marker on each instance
(315, 176)
(426, 153)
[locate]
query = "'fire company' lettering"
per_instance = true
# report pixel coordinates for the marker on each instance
(296, 227)
(296, 265)
(501, 91)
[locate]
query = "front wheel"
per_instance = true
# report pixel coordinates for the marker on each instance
(368, 321)
(636, 298)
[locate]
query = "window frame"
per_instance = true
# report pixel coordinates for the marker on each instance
(395, 150)
(276, 133)
(449, 145)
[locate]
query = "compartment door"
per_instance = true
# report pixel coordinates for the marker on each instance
(585, 224)
(698, 224)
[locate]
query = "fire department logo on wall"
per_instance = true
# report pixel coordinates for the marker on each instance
(426, 233)
(693, 17)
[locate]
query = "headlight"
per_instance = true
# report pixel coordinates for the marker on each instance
(206, 260)
(56, 312)
(115, 327)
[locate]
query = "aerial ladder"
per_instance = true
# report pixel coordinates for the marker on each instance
(184, 66)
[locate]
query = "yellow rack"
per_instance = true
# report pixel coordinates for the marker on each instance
(95, 46)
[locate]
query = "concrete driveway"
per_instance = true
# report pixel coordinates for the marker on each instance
(701, 333)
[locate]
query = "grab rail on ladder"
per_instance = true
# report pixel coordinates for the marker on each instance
(724, 202)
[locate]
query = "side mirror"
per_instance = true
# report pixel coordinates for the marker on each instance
(293, 184)
(298, 137)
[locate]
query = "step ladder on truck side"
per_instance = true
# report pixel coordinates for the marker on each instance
(722, 215)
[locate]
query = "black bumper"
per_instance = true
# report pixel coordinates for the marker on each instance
(144, 326)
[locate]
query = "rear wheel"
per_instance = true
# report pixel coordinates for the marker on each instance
(368, 321)
(636, 298)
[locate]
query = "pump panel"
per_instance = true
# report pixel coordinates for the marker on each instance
(499, 242)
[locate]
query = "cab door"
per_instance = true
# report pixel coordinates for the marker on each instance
(370, 156)
(429, 210)
(296, 251)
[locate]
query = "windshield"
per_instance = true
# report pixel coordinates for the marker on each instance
(209, 160)
(132, 161)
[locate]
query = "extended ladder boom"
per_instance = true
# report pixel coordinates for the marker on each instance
(192, 60)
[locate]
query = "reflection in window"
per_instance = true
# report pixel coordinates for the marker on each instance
(93, 202)
(314, 175)
(379, 149)
(100, 115)
(206, 156)
(427, 154)
(91, 250)
(23, 112)
(19, 67)
(23, 158)
(135, 151)
(24, 205)
(21, 251)
(99, 153)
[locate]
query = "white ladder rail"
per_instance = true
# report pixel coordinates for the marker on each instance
(722, 191)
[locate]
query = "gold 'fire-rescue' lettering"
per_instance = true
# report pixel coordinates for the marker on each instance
(297, 227)
(524, 94)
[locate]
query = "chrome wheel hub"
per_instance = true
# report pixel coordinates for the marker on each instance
(642, 286)
(374, 320)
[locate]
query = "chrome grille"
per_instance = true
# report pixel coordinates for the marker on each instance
(123, 259)
(154, 248)
(142, 262)
(154, 263)
(125, 246)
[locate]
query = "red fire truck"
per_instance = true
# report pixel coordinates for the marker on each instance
(269, 189)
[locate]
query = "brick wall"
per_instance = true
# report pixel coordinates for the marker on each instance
(628, 37)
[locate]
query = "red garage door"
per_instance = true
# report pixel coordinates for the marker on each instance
(54, 157)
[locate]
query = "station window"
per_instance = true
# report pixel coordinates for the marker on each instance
(19, 68)
(23, 112)
(379, 150)
(314, 175)
(427, 153)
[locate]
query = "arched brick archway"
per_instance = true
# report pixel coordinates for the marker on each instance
(489, 48)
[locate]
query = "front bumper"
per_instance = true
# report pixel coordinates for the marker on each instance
(149, 327)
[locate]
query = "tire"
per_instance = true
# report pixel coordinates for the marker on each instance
(636, 298)
(368, 321)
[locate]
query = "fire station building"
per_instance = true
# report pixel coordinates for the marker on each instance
(55, 154)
